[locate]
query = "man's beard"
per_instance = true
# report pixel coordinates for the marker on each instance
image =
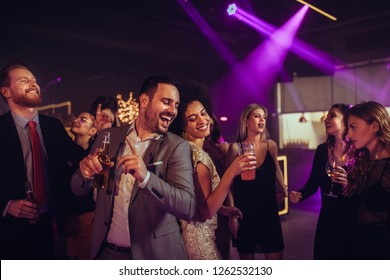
(152, 121)
(26, 101)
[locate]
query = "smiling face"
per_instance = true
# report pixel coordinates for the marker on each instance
(161, 109)
(361, 133)
(256, 121)
(334, 124)
(83, 125)
(197, 121)
(23, 89)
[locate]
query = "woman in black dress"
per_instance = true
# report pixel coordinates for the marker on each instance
(333, 237)
(259, 229)
(368, 126)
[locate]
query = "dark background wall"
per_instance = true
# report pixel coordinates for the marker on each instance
(109, 47)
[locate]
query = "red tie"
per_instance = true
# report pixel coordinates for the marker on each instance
(39, 178)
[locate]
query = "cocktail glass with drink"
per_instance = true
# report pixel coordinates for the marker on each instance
(247, 148)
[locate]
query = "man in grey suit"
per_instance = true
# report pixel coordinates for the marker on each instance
(150, 186)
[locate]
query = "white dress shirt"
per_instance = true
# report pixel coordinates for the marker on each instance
(119, 232)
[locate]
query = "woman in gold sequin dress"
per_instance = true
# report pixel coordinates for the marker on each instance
(193, 123)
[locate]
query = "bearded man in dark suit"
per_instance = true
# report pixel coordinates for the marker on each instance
(20, 237)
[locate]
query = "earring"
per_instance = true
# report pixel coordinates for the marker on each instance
(184, 135)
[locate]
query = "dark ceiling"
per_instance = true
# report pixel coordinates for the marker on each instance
(111, 46)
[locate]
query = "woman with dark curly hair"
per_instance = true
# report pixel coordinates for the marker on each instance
(193, 124)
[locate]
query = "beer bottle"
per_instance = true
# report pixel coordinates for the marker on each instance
(101, 178)
(30, 197)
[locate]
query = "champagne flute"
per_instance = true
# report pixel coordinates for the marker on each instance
(330, 165)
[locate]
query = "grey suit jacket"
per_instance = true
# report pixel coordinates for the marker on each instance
(153, 211)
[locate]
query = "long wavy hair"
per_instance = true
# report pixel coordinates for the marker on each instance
(369, 111)
(372, 111)
(242, 129)
(342, 108)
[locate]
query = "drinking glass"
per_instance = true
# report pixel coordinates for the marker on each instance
(330, 165)
(247, 148)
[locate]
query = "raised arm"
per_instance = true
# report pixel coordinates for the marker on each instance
(313, 182)
(209, 202)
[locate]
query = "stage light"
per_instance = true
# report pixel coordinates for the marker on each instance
(231, 9)
(321, 60)
(317, 10)
(50, 83)
(223, 119)
(212, 36)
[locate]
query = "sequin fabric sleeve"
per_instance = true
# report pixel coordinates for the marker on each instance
(198, 236)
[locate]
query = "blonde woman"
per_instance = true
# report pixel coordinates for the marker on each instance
(260, 229)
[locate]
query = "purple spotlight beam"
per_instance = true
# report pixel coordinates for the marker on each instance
(251, 79)
(223, 51)
(317, 58)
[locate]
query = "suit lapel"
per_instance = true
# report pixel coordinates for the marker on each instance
(13, 144)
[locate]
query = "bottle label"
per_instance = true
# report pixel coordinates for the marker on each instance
(101, 179)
